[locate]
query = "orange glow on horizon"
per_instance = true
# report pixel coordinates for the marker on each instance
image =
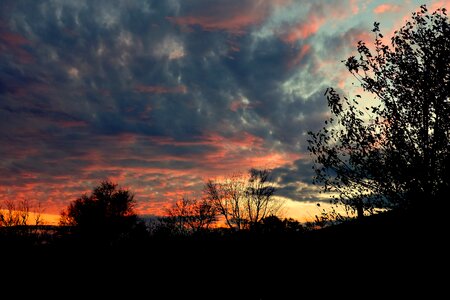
(44, 218)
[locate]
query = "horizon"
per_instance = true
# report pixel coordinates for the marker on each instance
(160, 96)
(292, 210)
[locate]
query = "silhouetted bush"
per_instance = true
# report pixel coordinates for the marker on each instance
(105, 216)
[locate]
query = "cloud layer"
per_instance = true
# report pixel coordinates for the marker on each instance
(162, 95)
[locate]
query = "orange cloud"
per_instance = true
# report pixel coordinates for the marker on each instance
(156, 89)
(386, 8)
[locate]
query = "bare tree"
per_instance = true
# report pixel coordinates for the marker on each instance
(11, 216)
(244, 200)
(204, 215)
(178, 214)
(259, 201)
(23, 212)
(14, 215)
(37, 213)
(192, 214)
(227, 197)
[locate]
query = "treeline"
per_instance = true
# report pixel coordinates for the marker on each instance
(240, 205)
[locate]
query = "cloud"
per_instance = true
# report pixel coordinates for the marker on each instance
(439, 4)
(162, 95)
(304, 29)
(232, 16)
(152, 89)
(386, 8)
(300, 56)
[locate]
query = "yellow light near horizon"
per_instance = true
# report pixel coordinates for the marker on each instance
(45, 219)
(306, 211)
(48, 219)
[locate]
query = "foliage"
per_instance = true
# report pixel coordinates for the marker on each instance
(392, 150)
(275, 225)
(106, 214)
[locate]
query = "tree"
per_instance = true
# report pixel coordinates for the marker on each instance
(393, 150)
(191, 214)
(276, 226)
(37, 214)
(15, 215)
(243, 201)
(107, 215)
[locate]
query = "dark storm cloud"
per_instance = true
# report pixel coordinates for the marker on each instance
(295, 181)
(149, 91)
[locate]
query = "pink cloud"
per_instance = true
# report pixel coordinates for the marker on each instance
(318, 15)
(11, 43)
(300, 55)
(440, 4)
(232, 16)
(235, 24)
(157, 89)
(68, 124)
(386, 8)
(13, 39)
(354, 6)
(156, 179)
(237, 104)
(304, 29)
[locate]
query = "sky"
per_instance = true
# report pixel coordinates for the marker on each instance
(160, 96)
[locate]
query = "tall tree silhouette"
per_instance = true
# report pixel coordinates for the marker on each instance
(242, 200)
(392, 148)
(106, 215)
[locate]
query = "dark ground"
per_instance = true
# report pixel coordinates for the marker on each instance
(388, 255)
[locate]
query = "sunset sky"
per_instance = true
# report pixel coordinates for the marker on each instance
(161, 95)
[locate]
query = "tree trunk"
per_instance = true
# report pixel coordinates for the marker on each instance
(359, 210)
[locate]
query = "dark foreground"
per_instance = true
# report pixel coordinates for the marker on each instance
(391, 252)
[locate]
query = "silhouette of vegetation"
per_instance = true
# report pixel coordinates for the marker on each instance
(389, 147)
(273, 225)
(368, 158)
(259, 255)
(243, 201)
(12, 214)
(192, 215)
(107, 215)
